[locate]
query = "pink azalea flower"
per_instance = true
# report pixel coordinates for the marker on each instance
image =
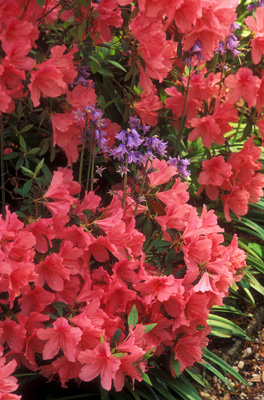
(64, 368)
(236, 201)
(189, 348)
(46, 81)
(99, 361)
(13, 334)
(214, 172)
(60, 336)
(256, 25)
(52, 271)
(208, 129)
(162, 172)
(43, 233)
(147, 109)
(243, 84)
(8, 383)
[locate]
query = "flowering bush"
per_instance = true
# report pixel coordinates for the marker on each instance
(107, 263)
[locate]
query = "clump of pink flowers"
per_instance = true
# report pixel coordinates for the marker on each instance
(79, 293)
(239, 175)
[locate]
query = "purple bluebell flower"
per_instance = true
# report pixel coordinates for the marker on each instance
(123, 170)
(141, 158)
(183, 171)
(89, 109)
(122, 136)
(82, 78)
(131, 157)
(181, 165)
(234, 26)
(134, 123)
(78, 115)
(251, 7)
(99, 170)
(232, 44)
(220, 49)
(119, 152)
(156, 145)
(133, 139)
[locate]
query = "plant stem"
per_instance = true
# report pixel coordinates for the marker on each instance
(92, 166)
(88, 172)
(182, 121)
(2, 167)
(125, 188)
(142, 185)
(82, 157)
(239, 122)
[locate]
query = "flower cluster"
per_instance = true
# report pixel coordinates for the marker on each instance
(238, 175)
(131, 149)
(92, 288)
(77, 284)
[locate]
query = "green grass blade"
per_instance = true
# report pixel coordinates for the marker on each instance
(257, 263)
(230, 309)
(197, 377)
(245, 286)
(218, 374)
(255, 283)
(223, 364)
(224, 326)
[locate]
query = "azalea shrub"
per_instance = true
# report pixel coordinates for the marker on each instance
(125, 128)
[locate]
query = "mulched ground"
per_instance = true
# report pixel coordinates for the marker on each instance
(250, 364)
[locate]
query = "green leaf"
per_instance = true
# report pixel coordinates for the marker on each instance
(39, 166)
(59, 307)
(20, 214)
(95, 66)
(257, 248)
(246, 287)
(176, 365)
(27, 171)
(12, 155)
(257, 263)
(119, 355)
(149, 327)
(104, 72)
(161, 244)
(148, 354)
(34, 151)
(222, 327)
(74, 397)
(217, 373)
(40, 3)
(223, 364)
(230, 309)
(255, 227)
(104, 394)
(19, 110)
(147, 228)
(197, 377)
(254, 283)
(145, 378)
(133, 317)
(22, 143)
(117, 65)
(142, 63)
(27, 186)
(26, 128)
(44, 146)
(115, 338)
(181, 386)
(46, 172)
